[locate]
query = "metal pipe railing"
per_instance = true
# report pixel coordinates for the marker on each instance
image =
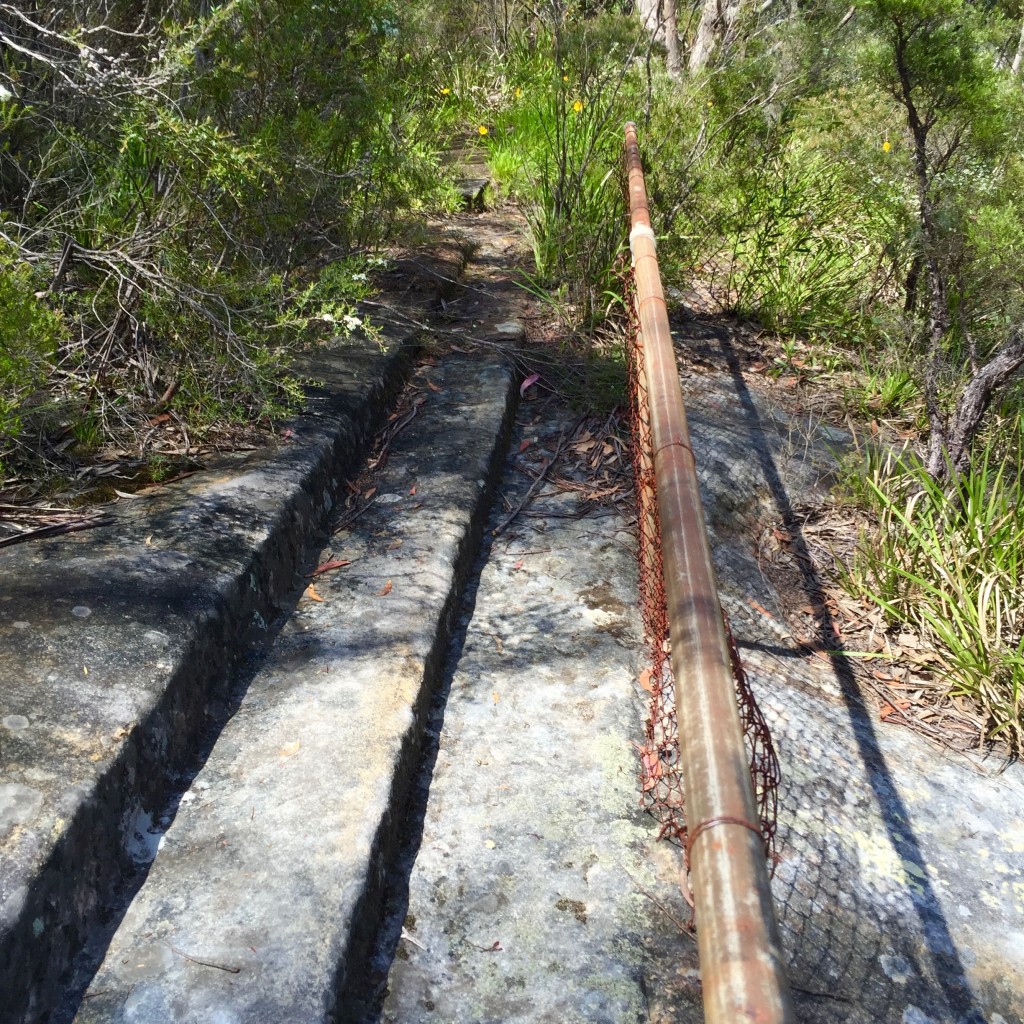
(741, 960)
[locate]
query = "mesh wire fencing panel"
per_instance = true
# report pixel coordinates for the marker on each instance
(660, 764)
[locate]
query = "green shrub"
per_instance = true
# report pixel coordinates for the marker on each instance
(29, 335)
(201, 173)
(556, 143)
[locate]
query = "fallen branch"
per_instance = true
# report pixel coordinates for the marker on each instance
(55, 529)
(539, 479)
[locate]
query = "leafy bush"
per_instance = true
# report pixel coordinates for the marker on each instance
(781, 202)
(180, 187)
(29, 335)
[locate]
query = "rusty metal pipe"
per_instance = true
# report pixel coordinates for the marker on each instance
(741, 960)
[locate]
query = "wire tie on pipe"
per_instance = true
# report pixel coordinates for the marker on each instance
(722, 819)
(655, 452)
(650, 298)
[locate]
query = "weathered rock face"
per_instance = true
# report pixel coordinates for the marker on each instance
(271, 867)
(899, 885)
(118, 649)
(539, 890)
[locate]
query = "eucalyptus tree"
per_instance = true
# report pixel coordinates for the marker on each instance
(940, 60)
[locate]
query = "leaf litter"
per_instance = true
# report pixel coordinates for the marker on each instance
(590, 460)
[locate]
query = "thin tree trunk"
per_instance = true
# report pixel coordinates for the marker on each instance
(1019, 55)
(938, 308)
(938, 325)
(949, 441)
(910, 286)
(707, 35)
(717, 21)
(649, 12)
(977, 396)
(675, 57)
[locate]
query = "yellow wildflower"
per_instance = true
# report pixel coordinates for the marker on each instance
(519, 92)
(886, 146)
(578, 106)
(445, 91)
(482, 129)
(565, 78)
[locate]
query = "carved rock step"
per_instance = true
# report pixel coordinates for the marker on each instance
(266, 885)
(116, 648)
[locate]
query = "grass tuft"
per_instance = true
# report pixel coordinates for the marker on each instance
(951, 566)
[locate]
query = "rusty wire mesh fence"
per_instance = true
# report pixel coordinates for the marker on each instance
(661, 771)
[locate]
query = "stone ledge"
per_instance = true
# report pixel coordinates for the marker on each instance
(117, 648)
(274, 863)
